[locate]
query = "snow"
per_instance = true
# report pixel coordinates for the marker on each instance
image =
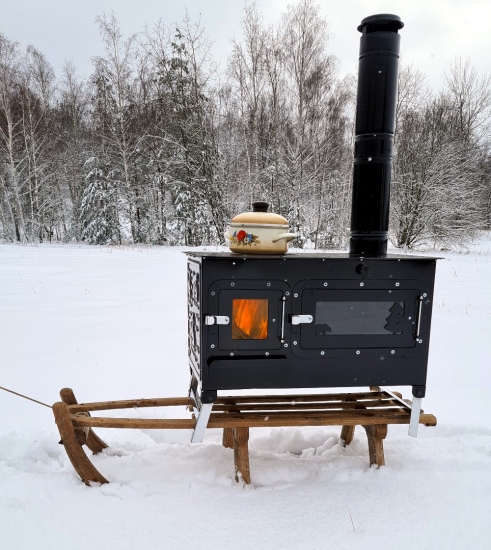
(110, 322)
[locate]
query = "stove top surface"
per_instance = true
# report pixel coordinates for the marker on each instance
(303, 255)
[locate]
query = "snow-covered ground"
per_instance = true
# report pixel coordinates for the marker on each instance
(111, 324)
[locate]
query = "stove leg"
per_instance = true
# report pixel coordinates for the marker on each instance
(203, 415)
(347, 434)
(414, 420)
(228, 438)
(376, 435)
(241, 455)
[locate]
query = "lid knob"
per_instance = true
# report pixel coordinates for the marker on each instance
(260, 206)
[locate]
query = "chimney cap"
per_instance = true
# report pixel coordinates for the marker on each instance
(381, 22)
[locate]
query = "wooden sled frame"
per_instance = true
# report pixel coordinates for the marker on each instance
(374, 410)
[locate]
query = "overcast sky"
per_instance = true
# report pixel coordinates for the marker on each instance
(435, 30)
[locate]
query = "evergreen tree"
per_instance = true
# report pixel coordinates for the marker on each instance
(99, 211)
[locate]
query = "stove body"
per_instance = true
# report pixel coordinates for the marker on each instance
(308, 321)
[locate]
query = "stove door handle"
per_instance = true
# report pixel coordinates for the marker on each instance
(300, 319)
(283, 307)
(418, 317)
(216, 320)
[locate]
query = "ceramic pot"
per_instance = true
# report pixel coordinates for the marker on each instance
(259, 232)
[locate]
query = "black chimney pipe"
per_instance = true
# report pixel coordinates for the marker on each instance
(374, 134)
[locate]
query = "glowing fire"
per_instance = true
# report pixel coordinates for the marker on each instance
(249, 319)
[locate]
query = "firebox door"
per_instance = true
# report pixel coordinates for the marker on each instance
(256, 319)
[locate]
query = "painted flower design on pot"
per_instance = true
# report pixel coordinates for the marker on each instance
(242, 238)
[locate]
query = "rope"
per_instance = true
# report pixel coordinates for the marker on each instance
(25, 397)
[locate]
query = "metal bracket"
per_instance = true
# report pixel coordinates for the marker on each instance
(415, 409)
(202, 416)
(300, 319)
(414, 420)
(395, 397)
(216, 320)
(202, 410)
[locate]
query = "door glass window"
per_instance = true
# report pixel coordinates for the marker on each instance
(332, 318)
(249, 319)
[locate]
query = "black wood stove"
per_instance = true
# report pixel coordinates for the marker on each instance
(312, 320)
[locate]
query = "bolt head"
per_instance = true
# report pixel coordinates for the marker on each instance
(362, 284)
(323, 352)
(294, 342)
(295, 295)
(212, 346)
(392, 351)
(285, 345)
(358, 352)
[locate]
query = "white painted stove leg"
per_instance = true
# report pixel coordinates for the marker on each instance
(414, 420)
(203, 415)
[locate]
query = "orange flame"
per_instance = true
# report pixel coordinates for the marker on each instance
(249, 319)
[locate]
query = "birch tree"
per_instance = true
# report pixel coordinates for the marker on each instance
(42, 185)
(116, 76)
(311, 77)
(11, 137)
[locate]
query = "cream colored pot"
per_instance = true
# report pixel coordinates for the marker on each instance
(259, 232)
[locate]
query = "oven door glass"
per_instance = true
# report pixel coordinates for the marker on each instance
(255, 319)
(359, 318)
(250, 320)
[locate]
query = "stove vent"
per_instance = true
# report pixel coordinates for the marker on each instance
(374, 134)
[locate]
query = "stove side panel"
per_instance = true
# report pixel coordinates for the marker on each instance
(194, 316)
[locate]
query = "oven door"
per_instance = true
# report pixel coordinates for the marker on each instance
(252, 316)
(255, 320)
(354, 318)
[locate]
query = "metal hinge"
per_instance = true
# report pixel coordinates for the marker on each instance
(300, 319)
(216, 320)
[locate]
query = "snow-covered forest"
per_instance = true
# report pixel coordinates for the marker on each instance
(160, 145)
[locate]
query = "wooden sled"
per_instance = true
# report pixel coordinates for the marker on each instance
(374, 410)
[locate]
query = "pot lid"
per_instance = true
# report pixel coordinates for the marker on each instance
(260, 215)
